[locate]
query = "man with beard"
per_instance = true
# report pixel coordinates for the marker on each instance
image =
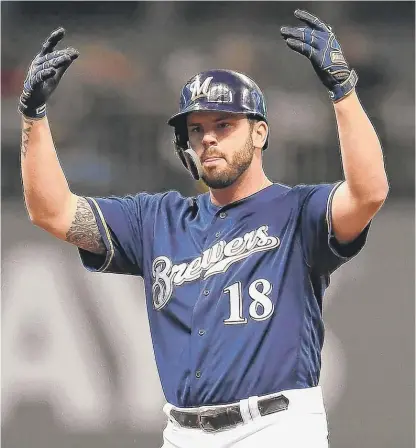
(234, 277)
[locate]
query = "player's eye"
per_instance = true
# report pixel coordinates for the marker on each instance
(224, 125)
(195, 129)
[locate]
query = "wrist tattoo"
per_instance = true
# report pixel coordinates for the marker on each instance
(27, 128)
(84, 231)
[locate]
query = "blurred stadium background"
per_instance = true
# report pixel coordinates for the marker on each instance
(77, 361)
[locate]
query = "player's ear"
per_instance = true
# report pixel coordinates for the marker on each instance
(259, 133)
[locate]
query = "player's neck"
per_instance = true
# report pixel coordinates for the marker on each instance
(247, 184)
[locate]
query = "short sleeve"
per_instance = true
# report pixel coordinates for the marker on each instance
(322, 250)
(120, 223)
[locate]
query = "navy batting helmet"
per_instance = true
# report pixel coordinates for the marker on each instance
(218, 91)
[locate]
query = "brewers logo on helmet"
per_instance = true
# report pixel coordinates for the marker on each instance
(217, 91)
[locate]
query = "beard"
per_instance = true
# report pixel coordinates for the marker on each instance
(223, 178)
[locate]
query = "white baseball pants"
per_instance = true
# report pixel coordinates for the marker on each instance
(302, 425)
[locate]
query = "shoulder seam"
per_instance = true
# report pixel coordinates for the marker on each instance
(110, 242)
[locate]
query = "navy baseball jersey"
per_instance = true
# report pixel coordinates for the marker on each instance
(234, 293)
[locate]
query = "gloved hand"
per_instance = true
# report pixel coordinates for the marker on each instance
(44, 74)
(318, 42)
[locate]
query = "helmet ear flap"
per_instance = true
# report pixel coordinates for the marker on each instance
(180, 149)
(181, 143)
(180, 153)
(186, 154)
(181, 137)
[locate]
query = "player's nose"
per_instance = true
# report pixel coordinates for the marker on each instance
(209, 139)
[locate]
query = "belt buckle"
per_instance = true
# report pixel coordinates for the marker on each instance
(206, 426)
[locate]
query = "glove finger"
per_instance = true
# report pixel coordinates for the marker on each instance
(296, 33)
(63, 68)
(51, 41)
(62, 60)
(311, 20)
(49, 56)
(300, 47)
(305, 34)
(42, 75)
(59, 62)
(73, 53)
(46, 74)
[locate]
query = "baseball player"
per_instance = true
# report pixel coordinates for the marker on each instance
(234, 277)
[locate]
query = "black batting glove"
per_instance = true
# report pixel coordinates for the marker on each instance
(44, 74)
(317, 42)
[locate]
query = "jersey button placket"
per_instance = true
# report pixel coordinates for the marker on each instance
(199, 337)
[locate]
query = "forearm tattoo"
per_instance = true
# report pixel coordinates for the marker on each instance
(27, 129)
(84, 231)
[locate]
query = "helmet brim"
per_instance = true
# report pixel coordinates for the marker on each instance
(179, 119)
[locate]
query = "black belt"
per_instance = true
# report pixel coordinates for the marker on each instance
(217, 419)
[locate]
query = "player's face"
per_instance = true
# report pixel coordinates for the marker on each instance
(224, 144)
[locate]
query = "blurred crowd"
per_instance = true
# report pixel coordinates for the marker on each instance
(109, 114)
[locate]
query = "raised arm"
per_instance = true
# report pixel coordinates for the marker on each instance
(358, 199)
(49, 201)
(365, 189)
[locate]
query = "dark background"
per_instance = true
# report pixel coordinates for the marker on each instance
(77, 362)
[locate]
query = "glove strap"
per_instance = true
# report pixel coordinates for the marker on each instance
(342, 90)
(30, 112)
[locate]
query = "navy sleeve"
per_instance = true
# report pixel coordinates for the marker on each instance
(119, 220)
(322, 251)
